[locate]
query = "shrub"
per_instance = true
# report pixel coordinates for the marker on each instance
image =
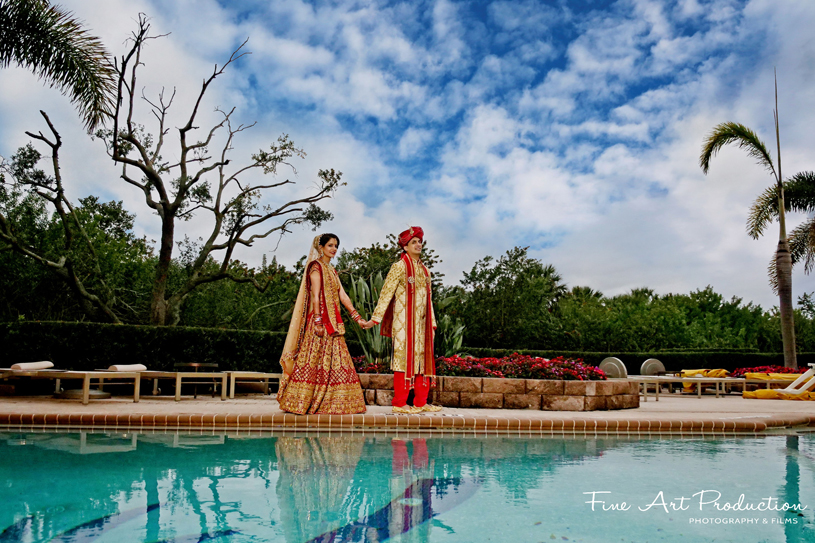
(91, 346)
(739, 372)
(514, 366)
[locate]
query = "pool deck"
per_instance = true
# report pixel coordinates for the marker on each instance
(672, 414)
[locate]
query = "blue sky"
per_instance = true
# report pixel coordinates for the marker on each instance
(571, 127)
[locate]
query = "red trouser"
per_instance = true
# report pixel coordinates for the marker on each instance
(421, 388)
(402, 460)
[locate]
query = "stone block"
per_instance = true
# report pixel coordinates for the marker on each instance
(448, 399)
(364, 380)
(562, 403)
(579, 388)
(370, 396)
(522, 401)
(481, 399)
(621, 386)
(623, 401)
(631, 401)
(462, 384)
(544, 386)
(603, 388)
(594, 403)
(384, 397)
(503, 386)
(381, 381)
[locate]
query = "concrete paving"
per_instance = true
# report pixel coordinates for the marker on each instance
(673, 413)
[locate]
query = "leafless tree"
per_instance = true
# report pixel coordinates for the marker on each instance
(200, 182)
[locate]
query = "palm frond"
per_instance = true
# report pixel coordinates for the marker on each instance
(799, 195)
(51, 43)
(802, 244)
(799, 192)
(763, 212)
(802, 249)
(726, 133)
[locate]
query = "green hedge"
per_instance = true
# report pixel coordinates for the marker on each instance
(673, 360)
(90, 346)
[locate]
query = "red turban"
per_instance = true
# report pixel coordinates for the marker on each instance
(409, 234)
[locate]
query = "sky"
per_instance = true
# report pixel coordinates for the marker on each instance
(573, 128)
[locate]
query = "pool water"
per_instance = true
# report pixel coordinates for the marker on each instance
(379, 487)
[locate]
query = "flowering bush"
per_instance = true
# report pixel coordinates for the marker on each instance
(739, 372)
(377, 366)
(515, 366)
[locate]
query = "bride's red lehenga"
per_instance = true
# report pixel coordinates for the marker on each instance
(323, 379)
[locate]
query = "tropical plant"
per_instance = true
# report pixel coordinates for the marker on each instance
(511, 300)
(449, 331)
(364, 295)
(738, 134)
(799, 195)
(51, 43)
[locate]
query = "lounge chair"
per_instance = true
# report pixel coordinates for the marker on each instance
(802, 384)
(43, 370)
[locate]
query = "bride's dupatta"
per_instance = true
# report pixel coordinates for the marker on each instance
(329, 308)
(298, 318)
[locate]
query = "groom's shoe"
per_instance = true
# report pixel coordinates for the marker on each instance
(430, 408)
(407, 410)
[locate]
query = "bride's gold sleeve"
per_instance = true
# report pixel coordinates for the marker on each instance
(395, 276)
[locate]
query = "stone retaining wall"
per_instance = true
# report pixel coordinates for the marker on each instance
(493, 393)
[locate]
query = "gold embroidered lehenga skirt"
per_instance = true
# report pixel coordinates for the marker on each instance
(323, 380)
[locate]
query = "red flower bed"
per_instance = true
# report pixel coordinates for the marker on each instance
(739, 372)
(515, 366)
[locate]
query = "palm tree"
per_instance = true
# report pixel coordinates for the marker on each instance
(729, 132)
(799, 195)
(51, 43)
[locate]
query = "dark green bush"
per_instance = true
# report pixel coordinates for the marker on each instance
(90, 346)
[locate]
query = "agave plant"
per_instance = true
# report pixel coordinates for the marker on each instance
(449, 332)
(364, 295)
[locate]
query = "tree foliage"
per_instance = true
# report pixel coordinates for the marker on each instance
(52, 43)
(510, 300)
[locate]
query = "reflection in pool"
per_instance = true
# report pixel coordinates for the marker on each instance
(377, 487)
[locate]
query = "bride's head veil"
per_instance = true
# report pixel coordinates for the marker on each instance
(298, 317)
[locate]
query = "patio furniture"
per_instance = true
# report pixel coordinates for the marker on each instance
(62, 375)
(720, 383)
(803, 383)
(652, 366)
(613, 367)
(214, 378)
(235, 376)
(196, 367)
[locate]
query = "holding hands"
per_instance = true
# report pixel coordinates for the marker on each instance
(360, 321)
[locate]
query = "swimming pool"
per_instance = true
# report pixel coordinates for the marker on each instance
(298, 488)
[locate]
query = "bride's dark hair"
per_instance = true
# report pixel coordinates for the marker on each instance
(325, 238)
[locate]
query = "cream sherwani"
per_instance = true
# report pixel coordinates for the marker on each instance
(395, 288)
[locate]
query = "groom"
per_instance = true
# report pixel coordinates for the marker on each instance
(405, 310)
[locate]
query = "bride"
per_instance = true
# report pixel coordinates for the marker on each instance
(318, 374)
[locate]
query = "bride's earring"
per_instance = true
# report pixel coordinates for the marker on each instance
(320, 252)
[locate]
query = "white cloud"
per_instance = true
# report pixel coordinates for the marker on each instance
(585, 148)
